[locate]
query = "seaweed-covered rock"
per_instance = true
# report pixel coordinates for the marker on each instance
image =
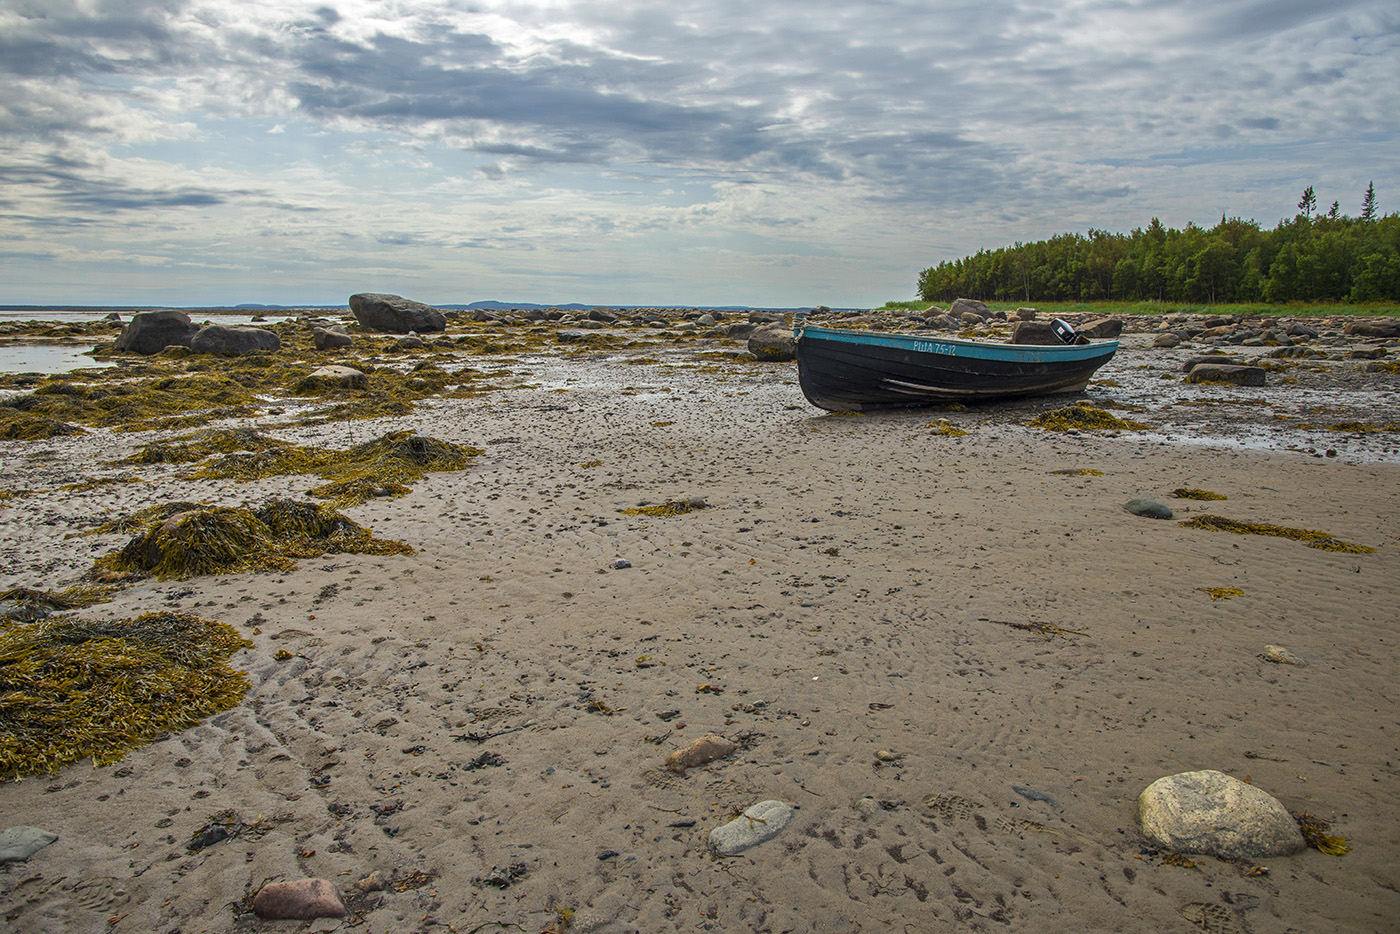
(150, 332)
(233, 340)
(1224, 373)
(1212, 813)
(395, 314)
(333, 377)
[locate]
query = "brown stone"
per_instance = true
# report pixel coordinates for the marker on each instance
(707, 748)
(302, 900)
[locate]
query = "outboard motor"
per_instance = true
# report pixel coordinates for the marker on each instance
(1063, 330)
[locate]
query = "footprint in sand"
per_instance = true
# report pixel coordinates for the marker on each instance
(1214, 919)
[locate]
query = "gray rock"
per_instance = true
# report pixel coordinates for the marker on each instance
(331, 337)
(773, 344)
(394, 314)
(151, 332)
(621, 564)
(18, 843)
(1148, 508)
(411, 342)
(233, 340)
(333, 377)
(302, 900)
(1210, 358)
(1026, 314)
(1212, 813)
(1166, 341)
(1102, 328)
(1366, 352)
(965, 306)
(758, 824)
(1300, 330)
(1224, 373)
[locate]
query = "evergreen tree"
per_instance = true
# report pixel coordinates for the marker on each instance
(1332, 212)
(1308, 203)
(1368, 204)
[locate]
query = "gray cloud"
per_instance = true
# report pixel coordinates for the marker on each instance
(985, 120)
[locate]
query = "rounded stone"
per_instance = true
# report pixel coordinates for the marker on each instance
(1148, 508)
(1213, 813)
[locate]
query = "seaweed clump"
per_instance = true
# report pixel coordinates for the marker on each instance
(1314, 830)
(1313, 539)
(222, 540)
(379, 468)
(1081, 416)
(25, 603)
(946, 429)
(72, 689)
(1187, 493)
(675, 507)
(21, 426)
(1222, 593)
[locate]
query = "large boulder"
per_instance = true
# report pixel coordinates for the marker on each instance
(394, 314)
(151, 332)
(774, 344)
(1376, 327)
(1102, 328)
(233, 340)
(1035, 332)
(966, 306)
(1212, 813)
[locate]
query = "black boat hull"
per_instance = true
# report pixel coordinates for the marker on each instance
(843, 370)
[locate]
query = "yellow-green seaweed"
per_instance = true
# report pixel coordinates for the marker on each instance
(669, 508)
(1082, 416)
(224, 540)
(1309, 537)
(1314, 830)
(73, 689)
(1222, 593)
(1188, 493)
(946, 429)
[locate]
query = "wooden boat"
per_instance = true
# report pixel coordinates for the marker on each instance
(849, 370)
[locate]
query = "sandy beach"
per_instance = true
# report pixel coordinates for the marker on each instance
(958, 658)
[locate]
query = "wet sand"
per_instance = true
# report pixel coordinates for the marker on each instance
(898, 628)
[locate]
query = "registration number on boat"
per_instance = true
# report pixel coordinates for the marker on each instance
(935, 347)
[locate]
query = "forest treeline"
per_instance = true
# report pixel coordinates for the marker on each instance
(1328, 257)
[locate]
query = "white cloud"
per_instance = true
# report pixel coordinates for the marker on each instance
(798, 152)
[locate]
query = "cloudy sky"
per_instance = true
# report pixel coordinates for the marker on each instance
(776, 153)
